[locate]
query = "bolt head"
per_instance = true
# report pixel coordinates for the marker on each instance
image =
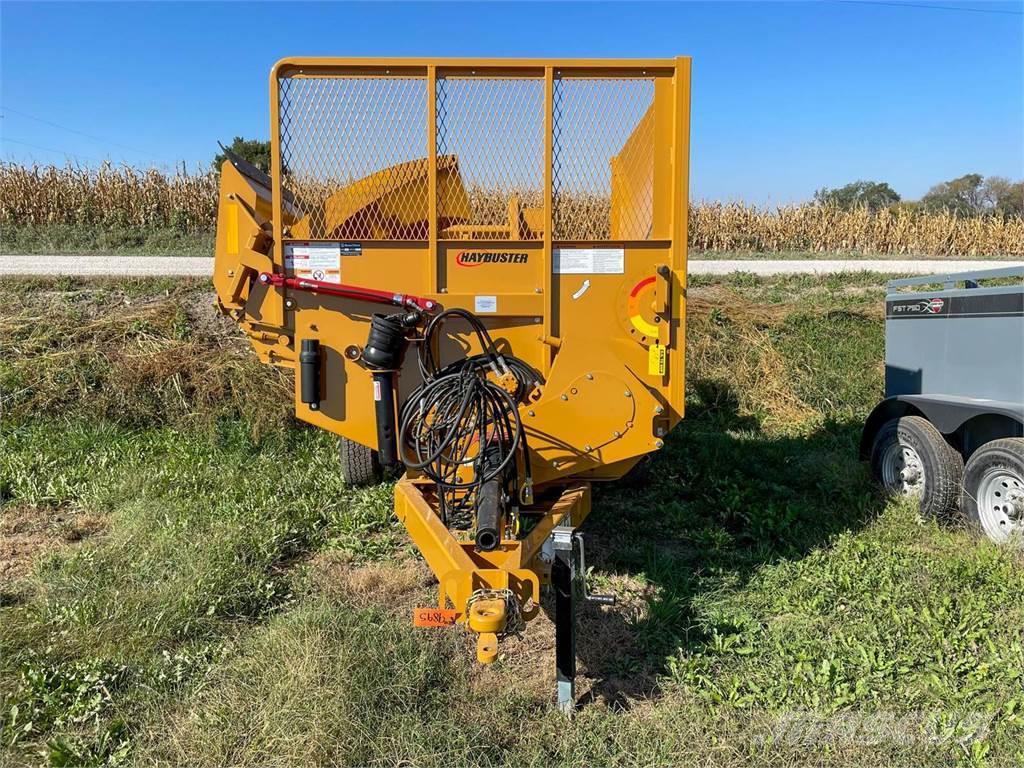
(659, 443)
(658, 410)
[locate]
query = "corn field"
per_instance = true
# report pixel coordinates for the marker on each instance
(126, 197)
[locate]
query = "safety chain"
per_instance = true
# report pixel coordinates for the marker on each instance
(514, 623)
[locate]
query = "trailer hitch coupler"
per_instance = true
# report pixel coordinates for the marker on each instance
(309, 373)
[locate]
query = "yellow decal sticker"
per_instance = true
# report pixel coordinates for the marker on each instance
(433, 617)
(656, 358)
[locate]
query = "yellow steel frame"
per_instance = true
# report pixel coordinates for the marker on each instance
(517, 565)
(600, 409)
(676, 71)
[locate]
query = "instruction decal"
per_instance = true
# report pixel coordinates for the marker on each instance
(589, 261)
(314, 261)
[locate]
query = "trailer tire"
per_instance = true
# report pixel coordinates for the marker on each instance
(910, 457)
(359, 465)
(993, 492)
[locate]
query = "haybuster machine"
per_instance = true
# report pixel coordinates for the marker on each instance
(477, 270)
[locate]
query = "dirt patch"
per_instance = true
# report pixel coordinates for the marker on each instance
(395, 585)
(608, 669)
(28, 532)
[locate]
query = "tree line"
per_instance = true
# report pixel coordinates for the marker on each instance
(969, 195)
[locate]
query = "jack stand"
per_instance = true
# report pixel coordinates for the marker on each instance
(568, 578)
(564, 582)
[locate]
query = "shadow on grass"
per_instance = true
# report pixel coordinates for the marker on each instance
(720, 500)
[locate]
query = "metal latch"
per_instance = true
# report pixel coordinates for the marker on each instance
(564, 539)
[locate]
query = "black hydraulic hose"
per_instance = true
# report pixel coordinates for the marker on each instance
(462, 429)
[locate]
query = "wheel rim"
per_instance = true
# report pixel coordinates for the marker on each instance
(902, 470)
(1001, 503)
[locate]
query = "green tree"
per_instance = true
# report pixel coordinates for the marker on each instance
(1005, 196)
(965, 195)
(254, 151)
(873, 194)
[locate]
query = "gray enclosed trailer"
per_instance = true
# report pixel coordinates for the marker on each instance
(951, 427)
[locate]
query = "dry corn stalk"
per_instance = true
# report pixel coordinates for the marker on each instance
(124, 196)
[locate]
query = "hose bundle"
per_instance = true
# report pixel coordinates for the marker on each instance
(459, 417)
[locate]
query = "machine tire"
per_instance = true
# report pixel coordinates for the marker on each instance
(359, 465)
(910, 457)
(993, 492)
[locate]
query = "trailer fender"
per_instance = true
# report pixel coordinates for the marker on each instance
(947, 413)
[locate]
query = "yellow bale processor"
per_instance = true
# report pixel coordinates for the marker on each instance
(477, 270)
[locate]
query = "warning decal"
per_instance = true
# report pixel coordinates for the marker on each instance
(589, 261)
(314, 261)
(656, 359)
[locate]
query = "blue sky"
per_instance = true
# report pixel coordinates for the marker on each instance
(787, 97)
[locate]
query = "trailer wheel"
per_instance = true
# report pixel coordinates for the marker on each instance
(359, 465)
(993, 494)
(910, 457)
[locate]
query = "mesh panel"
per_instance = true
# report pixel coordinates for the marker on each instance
(493, 130)
(353, 155)
(603, 159)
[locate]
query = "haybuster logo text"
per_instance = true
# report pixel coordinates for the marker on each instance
(476, 258)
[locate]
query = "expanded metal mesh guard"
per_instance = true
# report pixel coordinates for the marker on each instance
(354, 156)
(603, 133)
(495, 127)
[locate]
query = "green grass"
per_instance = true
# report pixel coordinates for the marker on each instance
(243, 607)
(86, 239)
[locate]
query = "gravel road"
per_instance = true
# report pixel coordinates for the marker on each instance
(201, 266)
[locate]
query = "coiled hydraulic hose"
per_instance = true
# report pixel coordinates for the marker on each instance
(459, 416)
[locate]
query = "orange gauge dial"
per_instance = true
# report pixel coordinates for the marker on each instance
(642, 298)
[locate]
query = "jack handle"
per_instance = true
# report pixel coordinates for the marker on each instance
(599, 599)
(403, 300)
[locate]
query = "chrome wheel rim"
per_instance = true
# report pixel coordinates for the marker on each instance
(1001, 504)
(902, 470)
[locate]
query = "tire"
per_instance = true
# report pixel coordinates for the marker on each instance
(909, 457)
(359, 465)
(993, 493)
